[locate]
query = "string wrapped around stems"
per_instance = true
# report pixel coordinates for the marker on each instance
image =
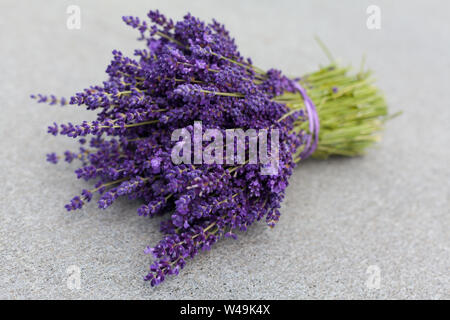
(314, 124)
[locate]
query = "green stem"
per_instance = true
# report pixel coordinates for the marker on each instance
(351, 110)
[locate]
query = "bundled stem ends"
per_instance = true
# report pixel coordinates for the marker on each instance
(350, 108)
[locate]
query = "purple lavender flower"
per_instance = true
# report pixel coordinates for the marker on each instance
(52, 158)
(190, 71)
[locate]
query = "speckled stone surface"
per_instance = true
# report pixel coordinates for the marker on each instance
(389, 209)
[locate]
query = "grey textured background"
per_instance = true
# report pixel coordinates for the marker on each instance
(389, 208)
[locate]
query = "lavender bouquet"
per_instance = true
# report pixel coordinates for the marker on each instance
(191, 72)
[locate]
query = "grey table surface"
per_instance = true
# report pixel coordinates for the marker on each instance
(344, 221)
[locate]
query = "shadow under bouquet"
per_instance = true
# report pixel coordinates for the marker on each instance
(191, 81)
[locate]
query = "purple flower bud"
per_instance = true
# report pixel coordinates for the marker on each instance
(52, 158)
